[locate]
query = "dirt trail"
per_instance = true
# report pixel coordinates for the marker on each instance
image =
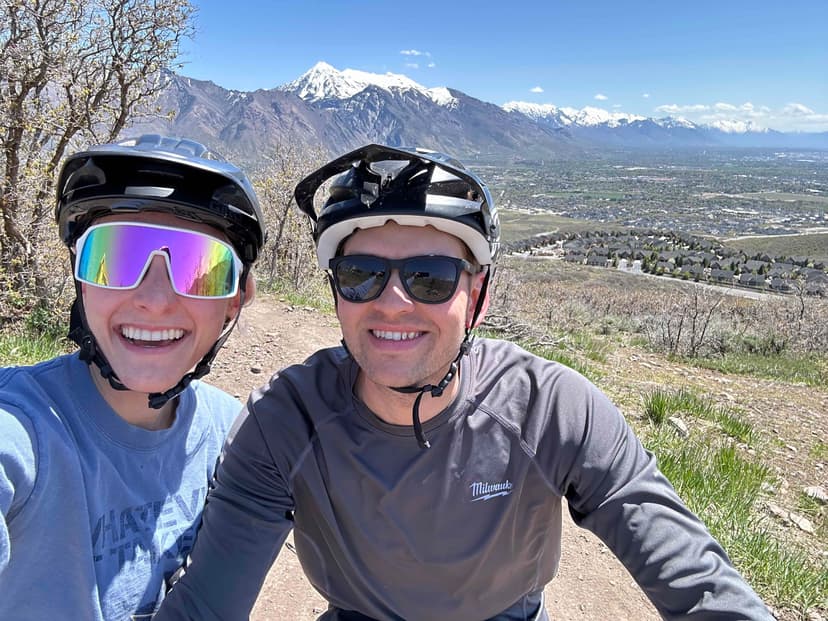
(591, 583)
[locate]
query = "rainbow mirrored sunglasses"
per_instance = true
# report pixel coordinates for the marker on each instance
(117, 255)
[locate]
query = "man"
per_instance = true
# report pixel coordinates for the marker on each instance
(106, 453)
(422, 472)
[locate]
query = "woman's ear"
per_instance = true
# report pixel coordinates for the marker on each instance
(234, 307)
(249, 289)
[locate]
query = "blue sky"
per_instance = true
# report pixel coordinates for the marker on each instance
(762, 61)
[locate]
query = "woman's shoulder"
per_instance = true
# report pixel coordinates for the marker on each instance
(212, 401)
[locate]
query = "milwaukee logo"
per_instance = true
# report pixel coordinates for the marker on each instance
(486, 491)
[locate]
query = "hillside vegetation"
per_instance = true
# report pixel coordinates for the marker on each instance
(814, 245)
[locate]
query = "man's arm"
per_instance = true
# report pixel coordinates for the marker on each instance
(245, 522)
(615, 490)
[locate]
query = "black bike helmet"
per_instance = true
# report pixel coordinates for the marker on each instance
(157, 173)
(376, 184)
(162, 174)
(410, 186)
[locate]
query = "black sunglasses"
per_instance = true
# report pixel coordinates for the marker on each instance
(430, 279)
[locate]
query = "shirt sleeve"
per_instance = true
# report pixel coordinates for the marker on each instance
(615, 489)
(18, 450)
(246, 520)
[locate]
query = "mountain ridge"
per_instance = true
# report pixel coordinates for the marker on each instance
(339, 110)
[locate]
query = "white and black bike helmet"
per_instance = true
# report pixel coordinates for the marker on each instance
(410, 186)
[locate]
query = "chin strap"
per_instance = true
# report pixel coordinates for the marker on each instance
(90, 353)
(437, 390)
(79, 333)
(158, 399)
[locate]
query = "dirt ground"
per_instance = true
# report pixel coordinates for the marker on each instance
(591, 583)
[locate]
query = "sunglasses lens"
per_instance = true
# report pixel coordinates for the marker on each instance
(115, 256)
(360, 278)
(430, 279)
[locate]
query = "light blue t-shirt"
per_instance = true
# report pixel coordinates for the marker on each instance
(96, 513)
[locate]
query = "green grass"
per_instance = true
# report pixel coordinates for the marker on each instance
(735, 427)
(594, 349)
(819, 451)
(561, 356)
(24, 348)
(568, 360)
(781, 571)
(722, 487)
(815, 511)
(785, 367)
(519, 225)
(814, 246)
(787, 197)
(661, 403)
(318, 295)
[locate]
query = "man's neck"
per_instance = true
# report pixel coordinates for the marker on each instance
(396, 407)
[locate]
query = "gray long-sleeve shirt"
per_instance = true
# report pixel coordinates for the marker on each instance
(461, 531)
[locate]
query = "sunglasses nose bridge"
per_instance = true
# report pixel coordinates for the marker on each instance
(152, 267)
(394, 283)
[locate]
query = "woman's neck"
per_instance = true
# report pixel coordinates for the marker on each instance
(133, 407)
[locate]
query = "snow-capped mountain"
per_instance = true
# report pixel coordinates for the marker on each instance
(340, 110)
(591, 117)
(323, 82)
(395, 109)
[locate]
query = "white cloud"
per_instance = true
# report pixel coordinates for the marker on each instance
(792, 117)
(414, 53)
(645, 95)
(431, 65)
(412, 65)
(676, 109)
(797, 109)
(601, 97)
(536, 89)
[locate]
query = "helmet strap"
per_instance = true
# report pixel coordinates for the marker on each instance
(158, 399)
(80, 333)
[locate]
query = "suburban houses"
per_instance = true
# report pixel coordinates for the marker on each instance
(680, 255)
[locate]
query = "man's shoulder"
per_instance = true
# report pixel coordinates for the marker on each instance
(323, 381)
(503, 354)
(502, 369)
(322, 362)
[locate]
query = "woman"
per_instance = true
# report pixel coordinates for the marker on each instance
(106, 453)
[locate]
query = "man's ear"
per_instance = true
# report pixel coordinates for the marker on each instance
(479, 281)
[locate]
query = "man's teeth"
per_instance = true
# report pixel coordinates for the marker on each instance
(395, 336)
(135, 334)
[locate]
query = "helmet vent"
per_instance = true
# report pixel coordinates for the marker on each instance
(369, 194)
(148, 190)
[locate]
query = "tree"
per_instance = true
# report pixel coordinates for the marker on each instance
(71, 72)
(288, 257)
